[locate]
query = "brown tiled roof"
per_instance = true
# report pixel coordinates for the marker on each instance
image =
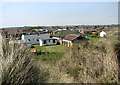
(14, 31)
(26, 30)
(93, 29)
(71, 37)
(90, 29)
(105, 29)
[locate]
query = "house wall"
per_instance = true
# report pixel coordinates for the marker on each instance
(37, 39)
(67, 43)
(41, 42)
(58, 39)
(44, 36)
(34, 39)
(102, 34)
(48, 42)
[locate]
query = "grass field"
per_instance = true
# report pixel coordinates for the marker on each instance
(56, 52)
(53, 48)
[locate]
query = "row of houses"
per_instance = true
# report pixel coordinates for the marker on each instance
(43, 37)
(45, 40)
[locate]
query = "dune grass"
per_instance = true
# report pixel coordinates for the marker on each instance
(87, 62)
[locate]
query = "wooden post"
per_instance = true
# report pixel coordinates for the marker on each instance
(68, 44)
(60, 42)
(71, 44)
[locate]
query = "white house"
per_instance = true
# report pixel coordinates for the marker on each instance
(61, 29)
(42, 39)
(44, 30)
(33, 38)
(102, 34)
(47, 41)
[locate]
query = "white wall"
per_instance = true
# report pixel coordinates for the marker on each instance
(66, 40)
(47, 42)
(56, 38)
(102, 34)
(33, 38)
(41, 42)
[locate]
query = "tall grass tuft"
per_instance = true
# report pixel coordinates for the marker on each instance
(17, 64)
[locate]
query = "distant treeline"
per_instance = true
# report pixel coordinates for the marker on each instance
(39, 27)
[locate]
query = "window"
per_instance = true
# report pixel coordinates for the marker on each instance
(53, 41)
(49, 40)
(33, 39)
(44, 42)
(37, 39)
(29, 39)
(62, 42)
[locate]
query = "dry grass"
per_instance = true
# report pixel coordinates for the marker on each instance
(93, 62)
(88, 62)
(17, 65)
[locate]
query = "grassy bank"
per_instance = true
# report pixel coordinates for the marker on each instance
(88, 62)
(53, 48)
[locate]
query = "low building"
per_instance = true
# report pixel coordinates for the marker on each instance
(64, 33)
(88, 31)
(40, 30)
(42, 39)
(69, 40)
(102, 34)
(105, 29)
(33, 38)
(47, 41)
(15, 33)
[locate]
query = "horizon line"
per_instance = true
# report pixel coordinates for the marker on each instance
(55, 25)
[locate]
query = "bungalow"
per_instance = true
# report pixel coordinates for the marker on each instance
(33, 38)
(70, 39)
(42, 39)
(88, 31)
(47, 41)
(15, 33)
(102, 34)
(62, 29)
(26, 31)
(105, 29)
(40, 30)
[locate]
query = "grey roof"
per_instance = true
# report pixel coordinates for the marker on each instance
(47, 39)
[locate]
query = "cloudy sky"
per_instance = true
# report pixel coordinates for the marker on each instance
(30, 13)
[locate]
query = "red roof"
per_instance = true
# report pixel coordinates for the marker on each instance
(15, 32)
(82, 28)
(26, 30)
(71, 37)
(90, 29)
(105, 29)
(93, 29)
